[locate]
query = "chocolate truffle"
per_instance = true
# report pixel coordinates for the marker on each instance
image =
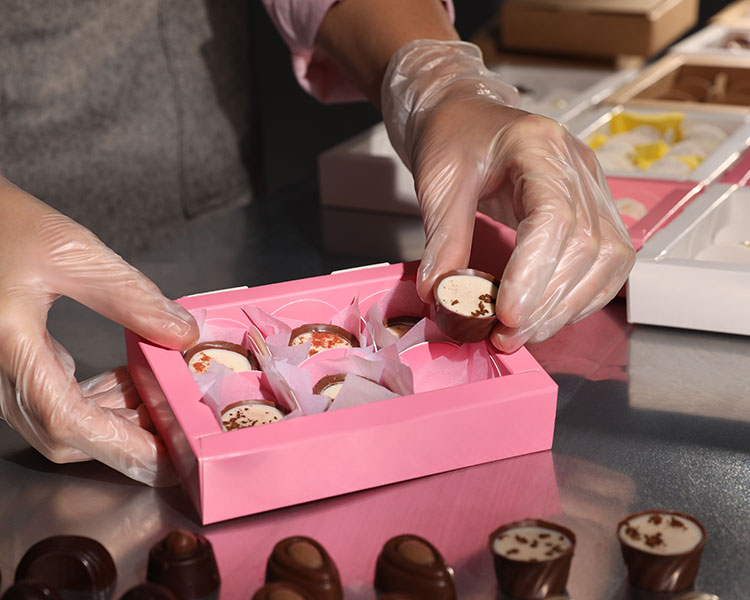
(323, 337)
(398, 326)
(184, 563)
(532, 558)
(148, 591)
(250, 413)
(465, 304)
(30, 589)
(70, 564)
(233, 356)
(408, 564)
(281, 590)
(305, 563)
(661, 549)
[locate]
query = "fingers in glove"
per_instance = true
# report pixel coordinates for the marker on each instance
(83, 268)
(600, 284)
(55, 416)
(447, 193)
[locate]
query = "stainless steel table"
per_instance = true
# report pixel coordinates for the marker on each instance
(647, 418)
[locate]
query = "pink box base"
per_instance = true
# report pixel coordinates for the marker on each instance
(237, 473)
(662, 199)
(739, 172)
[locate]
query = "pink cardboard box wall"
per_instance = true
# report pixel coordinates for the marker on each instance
(242, 472)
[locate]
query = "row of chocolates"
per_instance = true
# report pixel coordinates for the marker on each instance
(532, 560)
(465, 311)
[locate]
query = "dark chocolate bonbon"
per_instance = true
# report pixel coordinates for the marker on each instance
(537, 565)
(410, 565)
(645, 539)
(70, 564)
(30, 589)
(305, 563)
(184, 562)
(149, 591)
(465, 304)
(281, 590)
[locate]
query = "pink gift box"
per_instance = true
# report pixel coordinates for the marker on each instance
(739, 172)
(242, 472)
(662, 199)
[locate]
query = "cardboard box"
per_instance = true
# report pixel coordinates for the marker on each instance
(596, 27)
(695, 273)
(596, 123)
(716, 40)
(691, 82)
(446, 427)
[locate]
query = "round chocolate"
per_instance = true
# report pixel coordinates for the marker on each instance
(250, 413)
(398, 326)
(148, 591)
(652, 565)
(410, 565)
(69, 564)
(324, 383)
(305, 563)
(30, 589)
(324, 337)
(281, 590)
(179, 542)
(539, 563)
(184, 562)
(219, 345)
(476, 318)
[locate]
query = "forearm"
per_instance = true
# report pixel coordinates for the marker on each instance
(360, 36)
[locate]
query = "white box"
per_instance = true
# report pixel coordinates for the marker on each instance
(596, 120)
(562, 93)
(695, 273)
(365, 173)
(712, 40)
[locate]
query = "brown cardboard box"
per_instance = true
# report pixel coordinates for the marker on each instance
(693, 82)
(596, 27)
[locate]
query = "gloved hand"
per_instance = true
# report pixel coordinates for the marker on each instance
(452, 122)
(44, 255)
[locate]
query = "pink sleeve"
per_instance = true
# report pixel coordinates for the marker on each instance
(298, 22)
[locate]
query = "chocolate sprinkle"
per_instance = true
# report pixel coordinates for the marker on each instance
(655, 519)
(654, 540)
(632, 532)
(677, 523)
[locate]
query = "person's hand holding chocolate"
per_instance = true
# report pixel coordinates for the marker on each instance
(453, 123)
(45, 255)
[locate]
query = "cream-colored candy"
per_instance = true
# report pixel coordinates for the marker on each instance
(332, 390)
(200, 361)
(468, 295)
(531, 544)
(631, 208)
(660, 533)
(249, 414)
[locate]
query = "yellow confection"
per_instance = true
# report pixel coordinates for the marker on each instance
(597, 140)
(645, 154)
(663, 122)
(691, 160)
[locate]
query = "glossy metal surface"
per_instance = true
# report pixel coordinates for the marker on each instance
(647, 418)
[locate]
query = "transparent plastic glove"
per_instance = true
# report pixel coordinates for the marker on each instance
(44, 255)
(452, 122)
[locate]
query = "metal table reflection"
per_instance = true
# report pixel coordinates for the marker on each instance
(647, 418)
